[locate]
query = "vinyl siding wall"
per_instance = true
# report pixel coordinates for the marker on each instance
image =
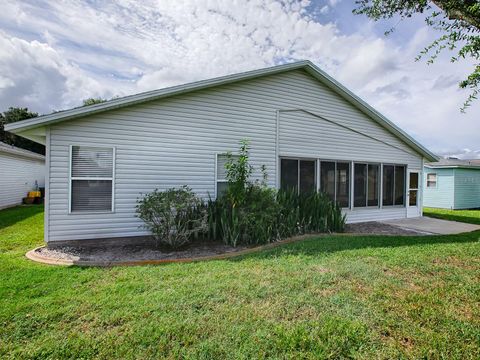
(17, 177)
(172, 142)
(441, 196)
(467, 188)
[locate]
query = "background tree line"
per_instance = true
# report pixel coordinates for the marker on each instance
(14, 114)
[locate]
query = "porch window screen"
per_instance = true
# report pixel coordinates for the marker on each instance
(335, 181)
(297, 175)
(366, 185)
(91, 179)
(393, 185)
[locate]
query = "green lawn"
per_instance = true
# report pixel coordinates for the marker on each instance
(468, 216)
(333, 297)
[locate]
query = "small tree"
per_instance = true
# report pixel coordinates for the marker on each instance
(238, 172)
(172, 216)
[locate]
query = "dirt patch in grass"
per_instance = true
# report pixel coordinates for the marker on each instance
(135, 253)
(454, 262)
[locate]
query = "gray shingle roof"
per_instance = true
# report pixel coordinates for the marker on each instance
(449, 163)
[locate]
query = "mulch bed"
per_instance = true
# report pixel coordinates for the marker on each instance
(136, 253)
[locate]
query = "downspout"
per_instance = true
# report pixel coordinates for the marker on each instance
(46, 215)
(277, 149)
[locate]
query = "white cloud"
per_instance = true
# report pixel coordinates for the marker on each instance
(324, 9)
(55, 54)
(37, 76)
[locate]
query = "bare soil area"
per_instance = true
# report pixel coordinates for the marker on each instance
(136, 253)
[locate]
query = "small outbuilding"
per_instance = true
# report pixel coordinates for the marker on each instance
(21, 171)
(452, 184)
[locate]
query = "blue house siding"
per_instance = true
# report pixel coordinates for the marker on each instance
(467, 188)
(441, 196)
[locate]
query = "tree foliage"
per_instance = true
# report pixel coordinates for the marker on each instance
(458, 20)
(14, 114)
(93, 101)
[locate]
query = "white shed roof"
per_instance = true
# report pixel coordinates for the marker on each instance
(10, 149)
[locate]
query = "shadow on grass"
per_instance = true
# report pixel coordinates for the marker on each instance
(330, 244)
(13, 215)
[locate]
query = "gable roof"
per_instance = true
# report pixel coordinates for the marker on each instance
(306, 65)
(10, 149)
(454, 163)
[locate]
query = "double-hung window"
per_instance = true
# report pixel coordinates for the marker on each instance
(393, 185)
(298, 174)
(366, 185)
(221, 180)
(91, 178)
(431, 180)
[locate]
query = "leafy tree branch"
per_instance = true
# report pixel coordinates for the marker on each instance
(458, 20)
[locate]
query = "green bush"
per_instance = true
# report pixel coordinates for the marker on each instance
(308, 213)
(253, 221)
(251, 213)
(248, 213)
(173, 216)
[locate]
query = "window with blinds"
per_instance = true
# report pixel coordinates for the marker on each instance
(91, 180)
(222, 160)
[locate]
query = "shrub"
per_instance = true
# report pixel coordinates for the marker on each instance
(173, 216)
(238, 172)
(308, 213)
(253, 221)
(251, 213)
(248, 213)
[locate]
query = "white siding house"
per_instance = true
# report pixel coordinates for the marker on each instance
(20, 172)
(291, 114)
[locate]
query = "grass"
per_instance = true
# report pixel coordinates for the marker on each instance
(332, 297)
(467, 216)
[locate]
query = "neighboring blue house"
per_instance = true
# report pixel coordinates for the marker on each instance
(452, 184)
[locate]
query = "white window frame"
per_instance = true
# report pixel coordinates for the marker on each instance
(217, 180)
(436, 181)
(417, 189)
(72, 178)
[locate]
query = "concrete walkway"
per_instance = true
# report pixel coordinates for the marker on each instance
(428, 225)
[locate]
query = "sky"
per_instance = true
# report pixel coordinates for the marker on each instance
(54, 54)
